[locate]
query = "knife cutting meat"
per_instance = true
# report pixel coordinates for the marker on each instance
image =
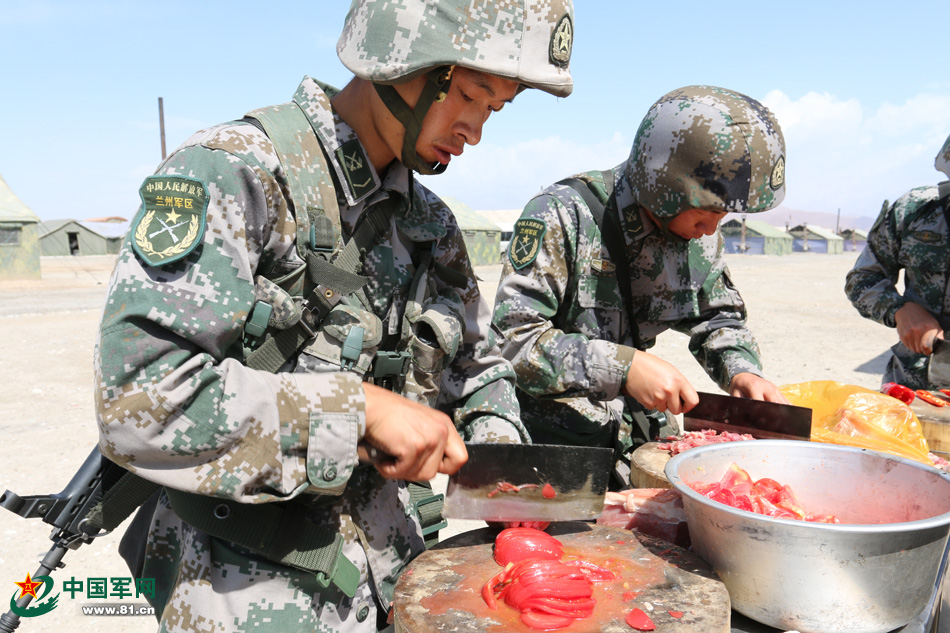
(758, 418)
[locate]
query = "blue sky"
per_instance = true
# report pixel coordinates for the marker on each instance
(862, 91)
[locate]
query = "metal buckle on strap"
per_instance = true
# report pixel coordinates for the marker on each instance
(307, 321)
(391, 364)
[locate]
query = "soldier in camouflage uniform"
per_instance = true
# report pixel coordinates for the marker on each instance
(576, 341)
(253, 363)
(912, 234)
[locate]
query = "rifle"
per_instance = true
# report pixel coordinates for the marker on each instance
(78, 514)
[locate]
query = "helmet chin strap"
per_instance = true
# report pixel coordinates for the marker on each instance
(664, 225)
(435, 90)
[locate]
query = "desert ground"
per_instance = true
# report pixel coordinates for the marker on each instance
(805, 325)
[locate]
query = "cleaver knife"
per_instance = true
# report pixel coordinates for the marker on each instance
(760, 419)
(938, 369)
(529, 482)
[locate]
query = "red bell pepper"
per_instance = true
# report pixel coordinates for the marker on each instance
(929, 398)
(902, 393)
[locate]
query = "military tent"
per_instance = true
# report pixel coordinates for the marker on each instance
(70, 237)
(19, 237)
(808, 238)
(854, 239)
(505, 220)
(481, 236)
(761, 238)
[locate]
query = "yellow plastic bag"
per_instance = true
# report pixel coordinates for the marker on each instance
(855, 416)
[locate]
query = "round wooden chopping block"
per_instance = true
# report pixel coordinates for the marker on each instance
(646, 466)
(441, 589)
(936, 424)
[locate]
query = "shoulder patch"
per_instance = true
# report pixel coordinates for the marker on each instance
(526, 241)
(172, 219)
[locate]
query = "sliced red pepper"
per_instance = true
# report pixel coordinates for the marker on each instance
(945, 392)
(929, 398)
(640, 621)
(548, 491)
(676, 614)
(630, 595)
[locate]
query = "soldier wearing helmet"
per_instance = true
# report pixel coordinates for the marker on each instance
(912, 235)
(601, 263)
(289, 308)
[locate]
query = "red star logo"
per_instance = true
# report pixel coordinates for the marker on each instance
(28, 586)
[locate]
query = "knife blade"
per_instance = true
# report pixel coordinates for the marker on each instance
(938, 368)
(758, 418)
(529, 482)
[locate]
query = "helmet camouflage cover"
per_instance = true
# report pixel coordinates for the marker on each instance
(703, 147)
(529, 41)
(942, 163)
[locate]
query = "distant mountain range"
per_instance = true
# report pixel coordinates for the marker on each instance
(781, 215)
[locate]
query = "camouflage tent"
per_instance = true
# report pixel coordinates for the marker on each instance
(854, 239)
(505, 220)
(761, 238)
(19, 237)
(482, 238)
(68, 237)
(808, 238)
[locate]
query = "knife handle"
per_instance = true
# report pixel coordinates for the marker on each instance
(369, 454)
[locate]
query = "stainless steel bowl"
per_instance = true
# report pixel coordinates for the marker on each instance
(870, 574)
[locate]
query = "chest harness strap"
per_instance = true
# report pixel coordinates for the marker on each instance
(603, 206)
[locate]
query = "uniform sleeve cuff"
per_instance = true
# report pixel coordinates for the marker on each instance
(890, 317)
(335, 407)
(609, 366)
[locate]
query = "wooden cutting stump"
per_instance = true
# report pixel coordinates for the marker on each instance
(646, 466)
(936, 424)
(441, 589)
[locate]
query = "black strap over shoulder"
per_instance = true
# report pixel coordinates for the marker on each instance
(607, 217)
(943, 199)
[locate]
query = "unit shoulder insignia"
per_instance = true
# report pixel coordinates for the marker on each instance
(172, 218)
(526, 241)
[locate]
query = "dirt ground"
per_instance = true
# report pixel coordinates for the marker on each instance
(805, 325)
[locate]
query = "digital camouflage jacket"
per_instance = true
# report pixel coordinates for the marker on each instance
(909, 235)
(177, 404)
(566, 332)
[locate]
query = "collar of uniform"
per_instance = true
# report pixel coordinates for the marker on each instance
(422, 220)
(343, 148)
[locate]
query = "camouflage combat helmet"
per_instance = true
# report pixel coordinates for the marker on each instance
(942, 162)
(388, 42)
(702, 147)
